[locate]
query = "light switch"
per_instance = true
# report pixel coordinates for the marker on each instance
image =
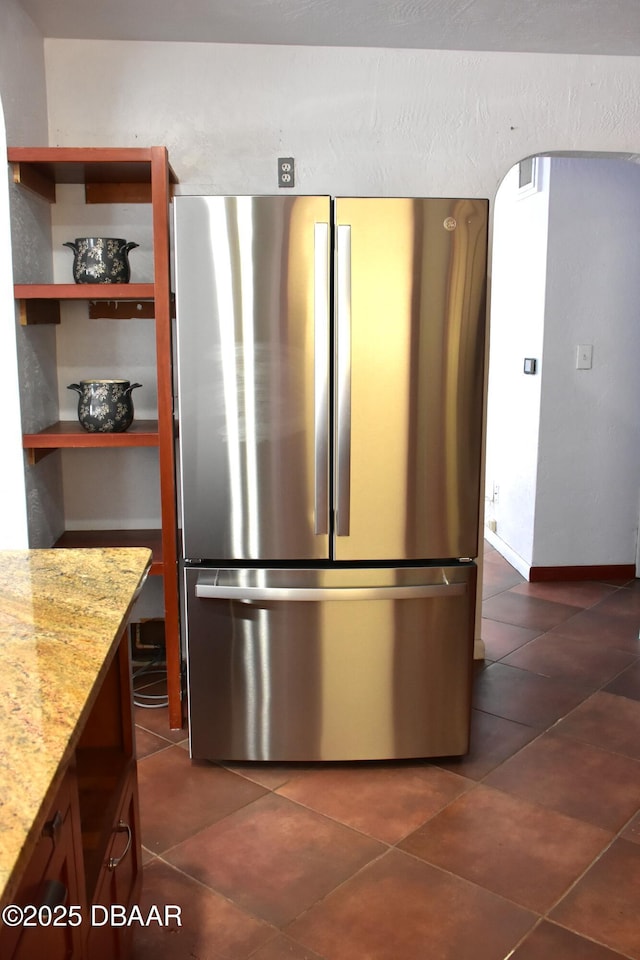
(584, 356)
(530, 365)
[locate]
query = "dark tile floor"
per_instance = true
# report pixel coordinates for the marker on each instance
(528, 848)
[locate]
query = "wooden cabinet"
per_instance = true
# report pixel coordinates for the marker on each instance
(53, 878)
(88, 854)
(129, 175)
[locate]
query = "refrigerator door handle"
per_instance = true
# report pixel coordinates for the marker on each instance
(210, 591)
(321, 377)
(343, 372)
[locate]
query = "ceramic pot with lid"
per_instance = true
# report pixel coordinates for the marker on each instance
(105, 406)
(101, 259)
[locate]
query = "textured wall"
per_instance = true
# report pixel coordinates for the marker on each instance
(22, 92)
(358, 121)
(22, 77)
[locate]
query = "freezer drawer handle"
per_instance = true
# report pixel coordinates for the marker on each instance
(208, 591)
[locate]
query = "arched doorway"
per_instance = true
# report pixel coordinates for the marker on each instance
(563, 441)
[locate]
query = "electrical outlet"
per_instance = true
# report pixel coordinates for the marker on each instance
(286, 171)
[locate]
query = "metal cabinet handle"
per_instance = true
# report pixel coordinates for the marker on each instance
(121, 828)
(319, 594)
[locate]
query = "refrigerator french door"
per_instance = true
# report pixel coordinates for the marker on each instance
(330, 370)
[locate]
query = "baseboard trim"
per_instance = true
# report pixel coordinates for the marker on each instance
(613, 571)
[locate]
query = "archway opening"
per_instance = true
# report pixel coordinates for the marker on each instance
(563, 451)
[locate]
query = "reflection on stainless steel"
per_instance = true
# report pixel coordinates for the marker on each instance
(253, 640)
(368, 679)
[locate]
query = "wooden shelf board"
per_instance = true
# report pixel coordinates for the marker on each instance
(84, 291)
(69, 433)
(116, 538)
(88, 164)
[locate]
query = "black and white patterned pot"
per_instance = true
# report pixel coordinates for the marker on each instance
(101, 259)
(105, 406)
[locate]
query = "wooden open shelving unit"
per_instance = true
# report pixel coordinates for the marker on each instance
(117, 175)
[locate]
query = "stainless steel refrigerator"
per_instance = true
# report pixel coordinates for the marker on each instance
(330, 380)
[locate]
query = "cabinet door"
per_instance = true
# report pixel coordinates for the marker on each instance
(53, 879)
(125, 852)
(119, 881)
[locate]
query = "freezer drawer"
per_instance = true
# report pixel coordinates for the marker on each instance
(331, 664)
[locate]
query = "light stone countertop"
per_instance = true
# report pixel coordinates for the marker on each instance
(62, 613)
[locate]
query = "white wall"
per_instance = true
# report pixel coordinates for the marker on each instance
(517, 330)
(23, 103)
(588, 484)
(22, 77)
(361, 121)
